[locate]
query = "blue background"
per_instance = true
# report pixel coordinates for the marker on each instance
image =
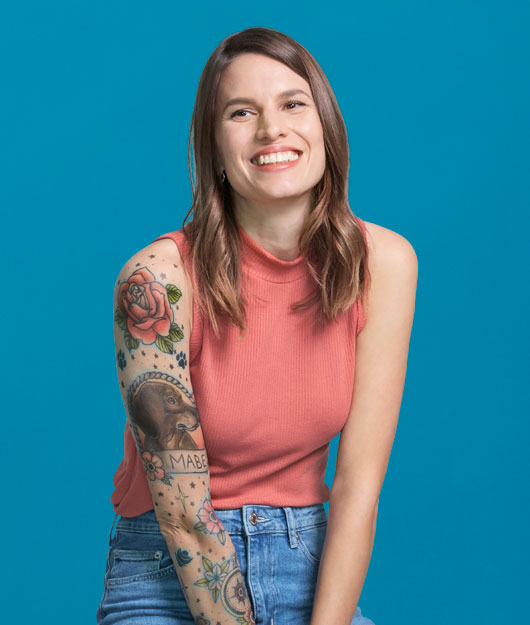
(95, 110)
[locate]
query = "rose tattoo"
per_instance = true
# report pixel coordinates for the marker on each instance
(144, 311)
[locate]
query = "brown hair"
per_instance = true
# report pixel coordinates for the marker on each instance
(331, 240)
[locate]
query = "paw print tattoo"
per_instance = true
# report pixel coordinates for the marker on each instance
(122, 362)
(182, 360)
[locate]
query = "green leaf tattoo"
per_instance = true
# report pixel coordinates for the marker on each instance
(121, 318)
(164, 343)
(173, 293)
(175, 333)
(130, 342)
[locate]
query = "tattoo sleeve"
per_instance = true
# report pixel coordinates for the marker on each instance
(152, 323)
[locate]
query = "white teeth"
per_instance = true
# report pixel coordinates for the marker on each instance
(276, 157)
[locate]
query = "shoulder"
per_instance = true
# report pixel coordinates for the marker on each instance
(389, 253)
(163, 256)
(154, 277)
(393, 267)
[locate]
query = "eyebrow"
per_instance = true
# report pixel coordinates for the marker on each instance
(283, 94)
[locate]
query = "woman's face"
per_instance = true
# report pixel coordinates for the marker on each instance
(266, 116)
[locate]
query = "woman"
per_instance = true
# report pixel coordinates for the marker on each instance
(237, 340)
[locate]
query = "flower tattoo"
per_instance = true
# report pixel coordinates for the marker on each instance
(154, 467)
(144, 312)
(209, 522)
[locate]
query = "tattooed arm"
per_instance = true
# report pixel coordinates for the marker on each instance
(153, 313)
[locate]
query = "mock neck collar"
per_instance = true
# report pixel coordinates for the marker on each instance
(262, 263)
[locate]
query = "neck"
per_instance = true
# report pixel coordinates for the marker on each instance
(275, 226)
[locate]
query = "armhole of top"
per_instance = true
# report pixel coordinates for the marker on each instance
(179, 239)
(361, 315)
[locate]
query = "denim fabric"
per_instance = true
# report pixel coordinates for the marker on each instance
(278, 549)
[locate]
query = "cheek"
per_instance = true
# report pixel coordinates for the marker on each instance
(318, 154)
(222, 145)
(231, 146)
(317, 147)
(311, 130)
(318, 134)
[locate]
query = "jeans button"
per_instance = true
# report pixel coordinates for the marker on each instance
(253, 518)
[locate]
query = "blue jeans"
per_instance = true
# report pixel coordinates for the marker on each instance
(278, 549)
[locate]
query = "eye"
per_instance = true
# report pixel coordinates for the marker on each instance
(294, 102)
(236, 113)
(291, 105)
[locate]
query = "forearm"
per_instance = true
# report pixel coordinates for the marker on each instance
(164, 422)
(344, 562)
(209, 572)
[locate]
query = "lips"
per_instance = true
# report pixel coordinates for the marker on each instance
(275, 148)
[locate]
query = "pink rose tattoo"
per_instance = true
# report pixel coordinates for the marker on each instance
(144, 311)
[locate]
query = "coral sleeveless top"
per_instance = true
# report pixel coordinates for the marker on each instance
(268, 404)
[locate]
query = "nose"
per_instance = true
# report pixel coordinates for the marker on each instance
(270, 125)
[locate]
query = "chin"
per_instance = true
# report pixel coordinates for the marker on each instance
(279, 191)
(281, 196)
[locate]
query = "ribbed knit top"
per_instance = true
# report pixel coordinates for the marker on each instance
(269, 404)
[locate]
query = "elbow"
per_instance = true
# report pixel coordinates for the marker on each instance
(359, 507)
(190, 523)
(178, 531)
(171, 528)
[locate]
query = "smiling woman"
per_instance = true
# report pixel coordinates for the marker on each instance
(279, 177)
(239, 338)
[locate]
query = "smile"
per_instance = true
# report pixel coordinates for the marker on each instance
(276, 160)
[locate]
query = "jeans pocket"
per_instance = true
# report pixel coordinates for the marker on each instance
(311, 541)
(132, 565)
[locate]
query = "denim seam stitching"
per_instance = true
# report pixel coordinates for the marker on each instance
(141, 577)
(307, 552)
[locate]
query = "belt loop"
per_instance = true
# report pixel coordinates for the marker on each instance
(291, 526)
(111, 528)
(244, 517)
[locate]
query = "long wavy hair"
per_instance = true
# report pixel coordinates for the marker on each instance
(331, 239)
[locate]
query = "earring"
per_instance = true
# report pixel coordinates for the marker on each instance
(223, 176)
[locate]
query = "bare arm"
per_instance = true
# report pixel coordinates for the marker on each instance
(153, 313)
(367, 438)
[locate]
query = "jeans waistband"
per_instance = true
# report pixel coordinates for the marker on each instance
(248, 520)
